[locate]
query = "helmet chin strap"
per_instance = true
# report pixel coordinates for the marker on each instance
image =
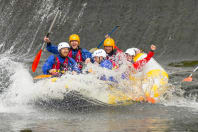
(60, 53)
(132, 61)
(100, 60)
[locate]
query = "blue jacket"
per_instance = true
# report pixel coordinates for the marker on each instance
(51, 60)
(107, 64)
(54, 49)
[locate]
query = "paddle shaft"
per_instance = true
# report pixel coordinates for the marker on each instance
(51, 26)
(194, 71)
(109, 35)
(38, 56)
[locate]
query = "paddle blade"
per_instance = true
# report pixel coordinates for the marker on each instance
(36, 61)
(42, 76)
(188, 79)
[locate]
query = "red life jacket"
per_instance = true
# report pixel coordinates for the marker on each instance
(58, 66)
(139, 64)
(112, 58)
(118, 50)
(78, 58)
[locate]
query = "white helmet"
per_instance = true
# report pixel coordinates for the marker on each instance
(99, 52)
(131, 51)
(63, 45)
(136, 49)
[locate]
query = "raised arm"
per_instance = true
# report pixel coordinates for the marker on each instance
(145, 60)
(51, 47)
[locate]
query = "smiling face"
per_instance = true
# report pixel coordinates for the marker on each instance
(74, 44)
(64, 52)
(108, 49)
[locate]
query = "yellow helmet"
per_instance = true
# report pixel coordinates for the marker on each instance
(109, 42)
(74, 37)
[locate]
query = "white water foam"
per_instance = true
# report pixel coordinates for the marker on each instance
(22, 91)
(175, 97)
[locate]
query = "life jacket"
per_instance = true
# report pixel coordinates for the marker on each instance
(138, 65)
(78, 57)
(112, 57)
(118, 50)
(61, 67)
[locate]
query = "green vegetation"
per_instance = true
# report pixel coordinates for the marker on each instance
(184, 64)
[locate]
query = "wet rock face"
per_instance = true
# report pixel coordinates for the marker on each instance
(171, 25)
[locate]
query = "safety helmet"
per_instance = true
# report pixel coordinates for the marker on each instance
(130, 51)
(99, 52)
(63, 45)
(136, 49)
(109, 42)
(74, 37)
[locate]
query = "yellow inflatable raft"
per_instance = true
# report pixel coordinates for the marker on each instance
(152, 82)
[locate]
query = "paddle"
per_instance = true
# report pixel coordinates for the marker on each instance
(94, 49)
(38, 56)
(189, 78)
(42, 76)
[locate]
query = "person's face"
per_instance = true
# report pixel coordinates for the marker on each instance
(98, 59)
(74, 44)
(108, 49)
(64, 52)
(129, 57)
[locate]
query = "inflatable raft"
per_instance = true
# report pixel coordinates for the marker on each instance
(154, 79)
(149, 84)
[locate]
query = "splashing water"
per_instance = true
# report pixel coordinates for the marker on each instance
(19, 90)
(22, 90)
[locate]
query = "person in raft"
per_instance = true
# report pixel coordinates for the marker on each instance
(80, 55)
(113, 52)
(100, 59)
(138, 65)
(59, 64)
